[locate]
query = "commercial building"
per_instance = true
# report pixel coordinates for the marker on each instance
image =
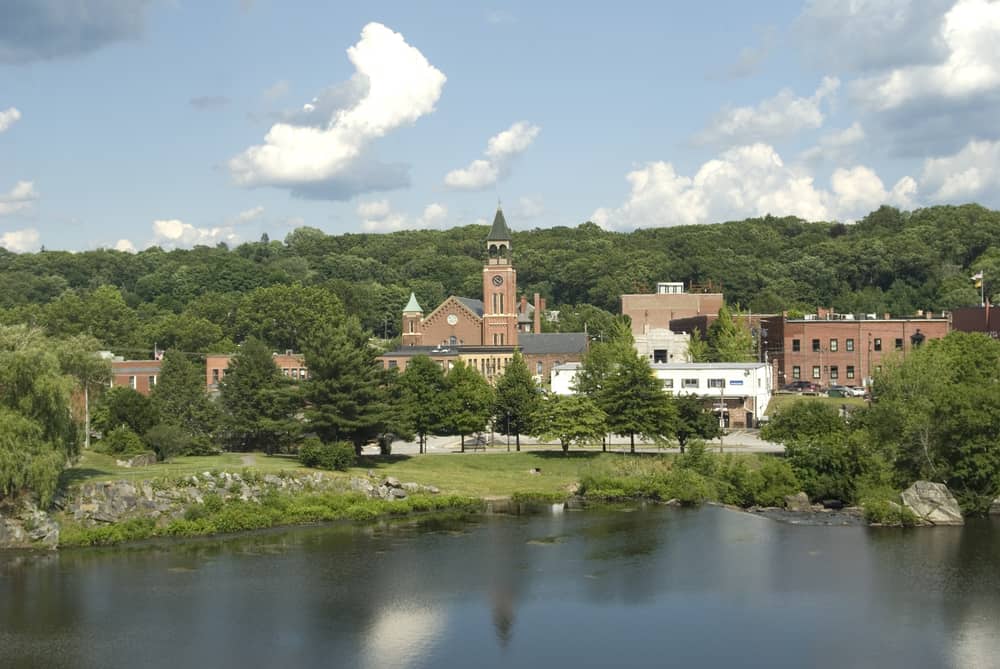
(484, 333)
(139, 375)
(651, 311)
(984, 319)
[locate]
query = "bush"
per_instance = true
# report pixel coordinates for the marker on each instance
(122, 441)
(168, 440)
(689, 487)
(886, 512)
(314, 453)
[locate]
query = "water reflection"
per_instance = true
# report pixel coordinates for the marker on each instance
(705, 587)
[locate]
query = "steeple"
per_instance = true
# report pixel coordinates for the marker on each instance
(499, 232)
(412, 307)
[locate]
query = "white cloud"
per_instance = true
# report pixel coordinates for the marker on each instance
(125, 246)
(20, 198)
(399, 87)
(969, 174)
(247, 215)
(20, 241)
(278, 89)
(774, 118)
(528, 208)
(501, 149)
(9, 117)
(969, 35)
(750, 58)
(835, 146)
(174, 233)
(379, 216)
(745, 181)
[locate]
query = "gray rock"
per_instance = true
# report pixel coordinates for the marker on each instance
(141, 460)
(430, 489)
(396, 493)
(798, 502)
(934, 503)
(363, 486)
(411, 487)
(392, 482)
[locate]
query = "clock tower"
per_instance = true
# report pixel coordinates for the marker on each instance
(499, 287)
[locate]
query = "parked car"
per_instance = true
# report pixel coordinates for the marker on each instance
(802, 387)
(845, 391)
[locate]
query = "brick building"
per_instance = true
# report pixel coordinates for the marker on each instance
(977, 319)
(484, 333)
(840, 349)
(291, 364)
(139, 375)
(669, 302)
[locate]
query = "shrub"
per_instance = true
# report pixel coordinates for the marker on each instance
(689, 487)
(123, 441)
(168, 440)
(777, 479)
(314, 453)
(886, 512)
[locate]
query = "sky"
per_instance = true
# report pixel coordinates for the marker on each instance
(131, 123)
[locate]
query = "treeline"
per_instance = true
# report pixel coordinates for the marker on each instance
(210, 298)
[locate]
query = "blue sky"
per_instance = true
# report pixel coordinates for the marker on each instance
(126, 123)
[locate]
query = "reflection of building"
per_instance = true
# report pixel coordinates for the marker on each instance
(484, 333)
(841, 349)
(739, 391)
(292, 365)
(669, 302)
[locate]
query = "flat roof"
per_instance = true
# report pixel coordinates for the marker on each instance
(681, 366)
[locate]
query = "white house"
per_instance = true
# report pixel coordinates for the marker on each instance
(739, 391)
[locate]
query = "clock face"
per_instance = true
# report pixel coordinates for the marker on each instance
(452, 319)
(497, 280)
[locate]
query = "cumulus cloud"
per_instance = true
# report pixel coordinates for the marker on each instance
(20, 198)
(9, 117)
(970, 37)
(379, 216)
(501, 149)
(835, 146)
(393, 86)
(248, 215)
(745, 181)
(125, 246)
(32, 30)
(174, 233)
(527, 208)
(971, 173)
(20, 241)
(774, 118)
(207, 102)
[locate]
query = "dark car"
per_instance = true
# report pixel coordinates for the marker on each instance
(801, 387)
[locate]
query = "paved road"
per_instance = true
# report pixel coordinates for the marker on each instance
(735, 441)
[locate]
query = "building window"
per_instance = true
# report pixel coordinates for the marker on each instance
(716, 383)
(452, 340)
(850, 371)
(393, 364)
(796, 372)
(878, 343)
(151, 381)
(538, 368)
(667, 384)
(411, 327)
(796, 346)
(833, 345)
(131, 382)
(215, 376)
(816, 373)
(689, 383)
(815, 345)
(899, 344)
(849, 344)
(659, 355)
(834, 373)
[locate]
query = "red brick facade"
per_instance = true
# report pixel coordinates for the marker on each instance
(139, 375)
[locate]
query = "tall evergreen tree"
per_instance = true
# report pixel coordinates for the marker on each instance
(634, 400)
(180, 398)
(421, 398)
(469, 400)
(258, 401)
(729, 338)
(517, 399)
(345, 393)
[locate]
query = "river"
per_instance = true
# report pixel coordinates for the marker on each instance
(649, 587)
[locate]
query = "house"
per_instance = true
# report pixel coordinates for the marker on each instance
(484, 333)
(291, 364)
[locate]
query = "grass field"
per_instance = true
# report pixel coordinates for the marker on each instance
(471, 474)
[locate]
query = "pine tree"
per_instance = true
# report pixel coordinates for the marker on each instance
(345, 394)
(729, 338)
(468, 401)
(180, 398)
(422, 397)
(517, 399)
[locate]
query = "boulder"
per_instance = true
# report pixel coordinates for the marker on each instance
(798, 502)
(934, 503)
(392, 482)
(141, 460)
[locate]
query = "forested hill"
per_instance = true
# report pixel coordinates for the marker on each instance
(890, 261)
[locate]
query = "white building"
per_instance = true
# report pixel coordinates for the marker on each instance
(661, 345)
(739, 391)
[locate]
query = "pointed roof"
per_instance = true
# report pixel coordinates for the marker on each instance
(499, 232)
(412, 305)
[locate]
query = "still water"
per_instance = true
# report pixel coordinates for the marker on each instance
(653, 587)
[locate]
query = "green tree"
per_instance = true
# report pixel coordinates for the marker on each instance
(123, 406)
(180, 399)
(516, 399)
(634, 401)
(285, 317)
(729, 338)
(468, 401)
(698, 347)
(259, 404)
(421, 398)
(79, 358)
(345, 394)
(570, 419)
(693, 420)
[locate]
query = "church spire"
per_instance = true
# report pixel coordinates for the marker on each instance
(412, 307)
(499, 232)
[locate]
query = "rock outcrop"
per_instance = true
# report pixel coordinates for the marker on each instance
(798, 502)
(141, 460)
(933, 503)
(24, 525)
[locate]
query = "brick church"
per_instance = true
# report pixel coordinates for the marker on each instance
(484, 333)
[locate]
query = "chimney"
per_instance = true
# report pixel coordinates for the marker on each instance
(886, 316)
(538, 314)
(524, 305)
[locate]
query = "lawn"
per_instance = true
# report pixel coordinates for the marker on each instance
(471, 474)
